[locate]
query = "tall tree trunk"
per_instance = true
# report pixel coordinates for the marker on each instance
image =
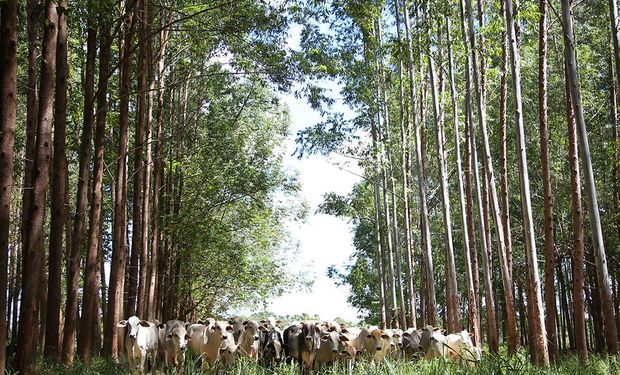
(595, 220)
(153, 294)
(147, 55)
(534, 289)
(34, 12)
(90, 305)
(119, 228)
(473, 165)
(8, 112)
(405, 132)
(577, 223)
(425, 230)
(552, 336)
(452, 299)
(506, 273)
(34, 253)
(136, 260)
(503, 160)
(59, 188)
(472, 302)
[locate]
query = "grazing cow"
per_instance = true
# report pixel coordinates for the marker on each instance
(438, 345)
(411, 343)
(270, 345)
(175, 338)
(329, 349)
(352, 346)
(249, 340)
(141, 339)
(460, 347)
(301, 341)
(376, 342)
(205, 341)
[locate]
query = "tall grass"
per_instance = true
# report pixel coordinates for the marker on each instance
(490, 365)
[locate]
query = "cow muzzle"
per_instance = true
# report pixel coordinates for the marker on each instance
(378, 348)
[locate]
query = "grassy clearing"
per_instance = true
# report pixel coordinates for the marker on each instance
(518, 364)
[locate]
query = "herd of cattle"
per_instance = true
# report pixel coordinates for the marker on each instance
(311, 344)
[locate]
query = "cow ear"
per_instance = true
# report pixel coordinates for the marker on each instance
(385, 337)
(231, 322)
(122, 323)
(161, 326)
(344, 338)
(144, 323)
(344, 330)
(222, 350)
(471, 334)
(278, 321)
(245, 323)
(200, 322)
(369, 336)
(263, 322)
(443, 331)
(325, 337)
(262, 328)
(317, 329)
(406, 334)
(187, 337)
(169, 335)
(230, 329)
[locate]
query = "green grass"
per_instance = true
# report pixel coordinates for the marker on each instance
(491, 364)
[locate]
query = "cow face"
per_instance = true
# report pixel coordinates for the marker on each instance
(411, 342)
(330, 338)
(134, 324)
(179, 337)
(376, 338)
(271, 346)
(250, 327)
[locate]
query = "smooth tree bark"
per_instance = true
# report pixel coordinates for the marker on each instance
(578, 257)
(550, 310)
(119, 226)
(472, 156)
(34, 254)
(511, 325)
(473, 310)
(425, 226)
(615, 35)
(606, 297)
(383, 123)
(534, 289)
(405, 133)
(90, 305)
(59, 188)
(452, 299)
(8, 113)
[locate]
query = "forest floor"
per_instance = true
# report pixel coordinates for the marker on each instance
(490, 364)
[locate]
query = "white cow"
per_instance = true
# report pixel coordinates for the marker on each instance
(228, 349)
(205, 341)
(175, 338)
(141, 339)
(249, 340)
(330, 343)
(460, 347)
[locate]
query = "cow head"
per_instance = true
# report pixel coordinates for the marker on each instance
(134, 324)
(179, 336)
(376, 337)
(251, 328)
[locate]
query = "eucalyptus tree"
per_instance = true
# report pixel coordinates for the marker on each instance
(472, 300)
(550, 324)
(487, 161)
(611, 333)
